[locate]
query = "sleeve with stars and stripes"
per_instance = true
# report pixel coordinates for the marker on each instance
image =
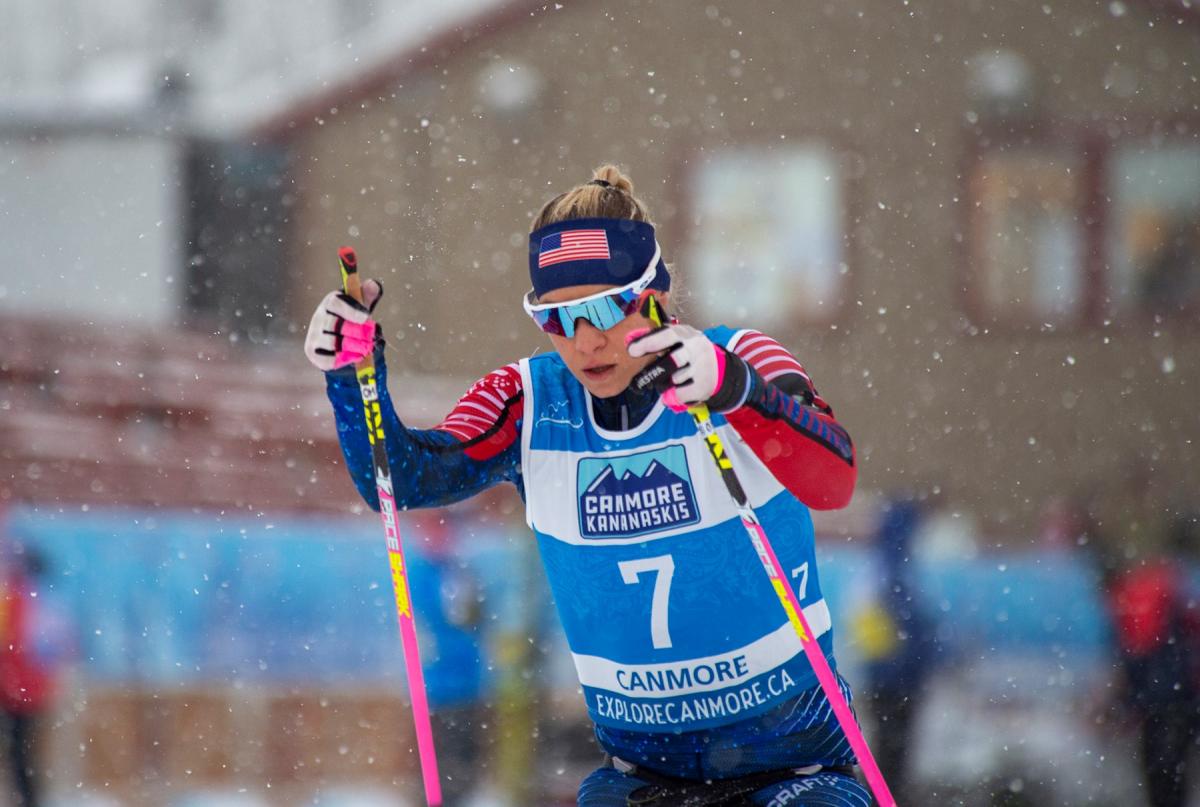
(474, 447)
(791, 428)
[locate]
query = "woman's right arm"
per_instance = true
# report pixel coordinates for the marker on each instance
(473, 448)
(476, 446)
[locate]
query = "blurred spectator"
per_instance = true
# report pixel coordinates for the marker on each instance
(446, 597)
(1157, 628)
(896, 638)
(30, 654)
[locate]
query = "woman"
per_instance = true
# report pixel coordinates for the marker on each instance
(693, 676)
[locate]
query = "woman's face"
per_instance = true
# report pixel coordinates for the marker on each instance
(599, 358)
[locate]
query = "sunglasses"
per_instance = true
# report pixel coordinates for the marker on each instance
(603, 309)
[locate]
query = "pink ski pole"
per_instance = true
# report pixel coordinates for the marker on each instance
(787, 598)
(365, 371)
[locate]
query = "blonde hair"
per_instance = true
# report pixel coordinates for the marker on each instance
(595, 201)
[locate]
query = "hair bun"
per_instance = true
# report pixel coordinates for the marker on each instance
(592, 200)
(614, 177)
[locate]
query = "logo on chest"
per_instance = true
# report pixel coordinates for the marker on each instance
(636, 494)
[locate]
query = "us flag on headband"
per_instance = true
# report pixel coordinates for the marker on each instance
(573, 245)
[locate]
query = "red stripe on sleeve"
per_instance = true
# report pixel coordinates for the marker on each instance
(770, 358)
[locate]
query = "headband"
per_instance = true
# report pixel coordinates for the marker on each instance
(582, 252)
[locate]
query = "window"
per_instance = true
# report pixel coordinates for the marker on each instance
(237, 218)
(1076, 229)
(1153, 246)
(767, 237)
(1028, 238)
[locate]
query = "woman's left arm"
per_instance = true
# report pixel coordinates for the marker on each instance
(767, 398)
(791, 428)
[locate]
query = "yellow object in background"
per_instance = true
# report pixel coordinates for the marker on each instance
(874, 632)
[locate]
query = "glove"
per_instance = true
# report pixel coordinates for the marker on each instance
(341, 331)
(691, 370)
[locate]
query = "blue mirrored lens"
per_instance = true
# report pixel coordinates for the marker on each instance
(603, 313)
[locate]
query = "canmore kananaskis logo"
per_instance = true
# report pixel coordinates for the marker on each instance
(622, 497)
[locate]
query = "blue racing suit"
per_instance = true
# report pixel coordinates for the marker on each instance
(489, 439)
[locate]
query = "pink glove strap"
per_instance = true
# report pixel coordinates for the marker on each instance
(358, 339)
(720, 370)
(672, 401)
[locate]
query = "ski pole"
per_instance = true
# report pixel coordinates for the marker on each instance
(365, 371)
(787, 597)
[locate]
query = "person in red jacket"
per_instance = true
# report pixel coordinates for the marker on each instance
(27, 670)
(1157, 626)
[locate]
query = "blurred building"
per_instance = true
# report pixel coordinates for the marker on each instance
(133, 180)
(977, 226)
(950, 212)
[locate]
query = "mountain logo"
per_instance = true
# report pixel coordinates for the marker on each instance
(623, 497)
